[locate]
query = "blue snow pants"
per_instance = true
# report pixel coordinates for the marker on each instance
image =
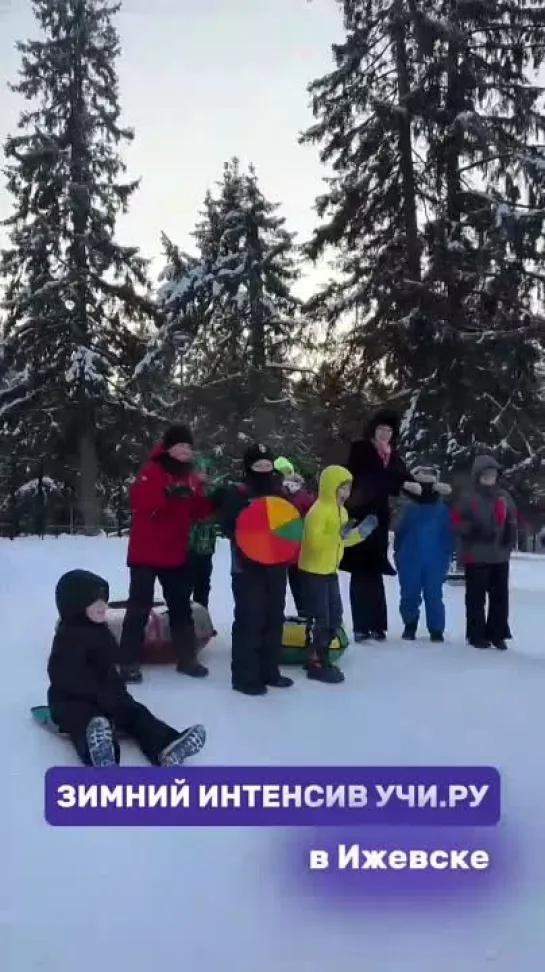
(420, 582)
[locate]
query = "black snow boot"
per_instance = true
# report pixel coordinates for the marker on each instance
(186, 649)
(409, 632)
(320, 669)
(361, 636)
(189, 743)
(250, 689)
(437, 637)
(500, 645)
(481, 643)
(279, 681)
(378, 635)
(101, 742)
(131, 674)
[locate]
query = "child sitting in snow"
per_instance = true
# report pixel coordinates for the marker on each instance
(296, 494)
(87, 697)
(423, 548)
(327, 533)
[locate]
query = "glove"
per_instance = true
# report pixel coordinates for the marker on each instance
(179, 489)
(367, 526)
(348, 528)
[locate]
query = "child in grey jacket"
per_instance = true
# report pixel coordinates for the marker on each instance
(486, 521)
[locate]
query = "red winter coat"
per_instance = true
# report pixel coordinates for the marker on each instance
(161, 524)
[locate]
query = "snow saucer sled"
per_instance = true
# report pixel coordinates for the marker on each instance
(42, 715)
(295, 641)
(157, 648)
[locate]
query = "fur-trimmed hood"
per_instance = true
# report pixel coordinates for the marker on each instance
(427, 492)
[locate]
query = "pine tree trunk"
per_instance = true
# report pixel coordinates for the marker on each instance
(453, 106)
(88, 484)
(406, 148)
(257, 329)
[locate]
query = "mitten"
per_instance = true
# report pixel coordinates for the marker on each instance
(367, 525)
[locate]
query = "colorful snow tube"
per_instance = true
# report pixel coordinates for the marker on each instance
(157, 648)
(295, 639)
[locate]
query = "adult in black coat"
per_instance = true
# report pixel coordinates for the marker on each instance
(379, 473)
(87, 697)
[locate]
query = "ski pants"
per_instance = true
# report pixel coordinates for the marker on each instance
(368, 603)
(128, 718)
(200, 571)
(259, 595)
(323, 606)
(176, 585)
(296, 582)
(417, 582)
(487, 581)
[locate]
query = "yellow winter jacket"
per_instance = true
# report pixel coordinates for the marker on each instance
(322, 546)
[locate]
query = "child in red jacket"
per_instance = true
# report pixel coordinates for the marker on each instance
(166, 498)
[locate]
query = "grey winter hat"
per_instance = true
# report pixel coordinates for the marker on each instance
(483, 464)
(423, 467)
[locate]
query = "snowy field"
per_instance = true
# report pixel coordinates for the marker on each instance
(218, 900)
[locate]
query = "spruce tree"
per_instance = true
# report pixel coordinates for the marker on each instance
(232, 306)
(435, 213)
(74, 295)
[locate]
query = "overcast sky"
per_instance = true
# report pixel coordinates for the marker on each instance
(202, 80)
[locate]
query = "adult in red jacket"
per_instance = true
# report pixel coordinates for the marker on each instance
(166, 498)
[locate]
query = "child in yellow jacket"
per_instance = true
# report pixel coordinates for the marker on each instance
(327, 533)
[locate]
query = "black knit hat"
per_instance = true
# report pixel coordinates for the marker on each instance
(384, 416)
(256, 453)
(77, 590)
(177, 435)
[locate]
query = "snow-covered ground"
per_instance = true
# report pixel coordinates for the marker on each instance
(143, 899)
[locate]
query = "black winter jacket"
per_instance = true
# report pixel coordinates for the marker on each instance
(81, 670)
(374, 484)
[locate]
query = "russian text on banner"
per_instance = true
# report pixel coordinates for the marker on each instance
(273, 796)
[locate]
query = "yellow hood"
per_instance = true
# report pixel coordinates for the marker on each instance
(331, 479)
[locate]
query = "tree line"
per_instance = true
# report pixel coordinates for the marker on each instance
(431, 126)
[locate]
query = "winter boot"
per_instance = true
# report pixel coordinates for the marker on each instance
(131, 674)
(437, 637)
(378, 635)
(250, 689)
(320, 669)
(188, 663)
(279, 681)
(100, 742)
(409, 632)
(361, 636)
(500, 645)
(189, 743)
(481, 643)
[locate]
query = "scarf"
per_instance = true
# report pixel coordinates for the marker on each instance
(384, 450)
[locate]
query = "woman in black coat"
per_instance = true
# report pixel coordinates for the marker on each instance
(379, 473)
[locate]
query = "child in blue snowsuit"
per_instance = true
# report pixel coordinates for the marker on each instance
(423, 548)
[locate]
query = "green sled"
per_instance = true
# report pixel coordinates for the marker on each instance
(42, 716)
(294, 643)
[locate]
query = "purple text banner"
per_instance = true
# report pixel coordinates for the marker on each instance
(249, 796)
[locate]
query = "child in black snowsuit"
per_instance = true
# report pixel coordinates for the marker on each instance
(259, 591)
(87, 697)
